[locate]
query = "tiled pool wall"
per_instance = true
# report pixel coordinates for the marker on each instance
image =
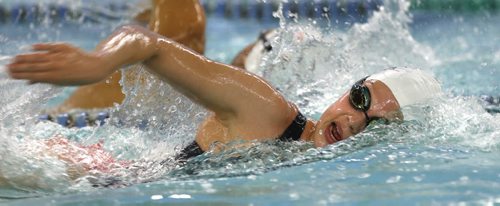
(30, 11)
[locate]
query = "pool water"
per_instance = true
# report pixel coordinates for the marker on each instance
(445, 152)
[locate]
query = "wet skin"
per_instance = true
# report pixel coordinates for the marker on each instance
(341, 120)
(338, 122)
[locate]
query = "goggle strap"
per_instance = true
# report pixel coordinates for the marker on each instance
(367, 118)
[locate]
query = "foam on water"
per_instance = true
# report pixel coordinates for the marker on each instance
(309, 65)
(313, 66)
(22, 161)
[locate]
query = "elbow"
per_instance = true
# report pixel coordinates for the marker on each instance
(131, 29)
(142, 42)
(138, 36)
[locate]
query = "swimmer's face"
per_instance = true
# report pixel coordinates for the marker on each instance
(342, 120)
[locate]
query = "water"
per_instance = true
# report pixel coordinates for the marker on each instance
(444, 153)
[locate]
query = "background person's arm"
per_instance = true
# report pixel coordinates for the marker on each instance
(182, 21)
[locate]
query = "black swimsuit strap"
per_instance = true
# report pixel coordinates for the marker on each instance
(192, 150)
(294, 131)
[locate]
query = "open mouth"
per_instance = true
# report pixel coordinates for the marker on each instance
(332, 134)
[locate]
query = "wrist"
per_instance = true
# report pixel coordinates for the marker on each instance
(106, 62)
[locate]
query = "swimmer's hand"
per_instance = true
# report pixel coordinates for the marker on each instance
(60, 64)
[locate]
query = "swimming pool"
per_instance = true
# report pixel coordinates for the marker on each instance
(444, 153)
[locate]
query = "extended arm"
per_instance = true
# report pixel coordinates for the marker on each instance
(226, 90)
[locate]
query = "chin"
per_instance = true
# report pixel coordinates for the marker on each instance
(319, 144)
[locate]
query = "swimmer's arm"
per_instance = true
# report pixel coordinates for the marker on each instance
(226, 90)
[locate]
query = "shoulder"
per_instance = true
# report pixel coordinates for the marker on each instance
(267, 122)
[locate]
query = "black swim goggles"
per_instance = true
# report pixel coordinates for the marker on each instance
(360, 99)
(267, 44)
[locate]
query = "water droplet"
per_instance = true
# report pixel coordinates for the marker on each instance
(172, 109)
(418, 178)
(208, 187)
(294, 196)
(464, 179)
(341, 167)
(364, 175)
(252, 177)
(394, 179)
(180, 196)
(157, 197)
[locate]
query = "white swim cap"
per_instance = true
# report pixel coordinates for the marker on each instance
(254, 58)
(409, 86)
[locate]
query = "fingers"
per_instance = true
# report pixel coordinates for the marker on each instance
(49, 64)
(31, 58)
(30, 67)
(32, 77)
(43, 52)
(52, 47)
(38, 77)
(50, 76)
(34, 62)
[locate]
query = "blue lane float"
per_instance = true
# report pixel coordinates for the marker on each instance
(63, 120)
(101, 118)
(78, 119)
(38, 13)
(352, 10)
(16, 13)
(81, 120)
(263, 10)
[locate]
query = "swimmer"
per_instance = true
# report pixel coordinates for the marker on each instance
(249, 58)
(182, 21)
(243, 106)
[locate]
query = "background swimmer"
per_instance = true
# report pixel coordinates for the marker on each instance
(182, 21)
(251, 55)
